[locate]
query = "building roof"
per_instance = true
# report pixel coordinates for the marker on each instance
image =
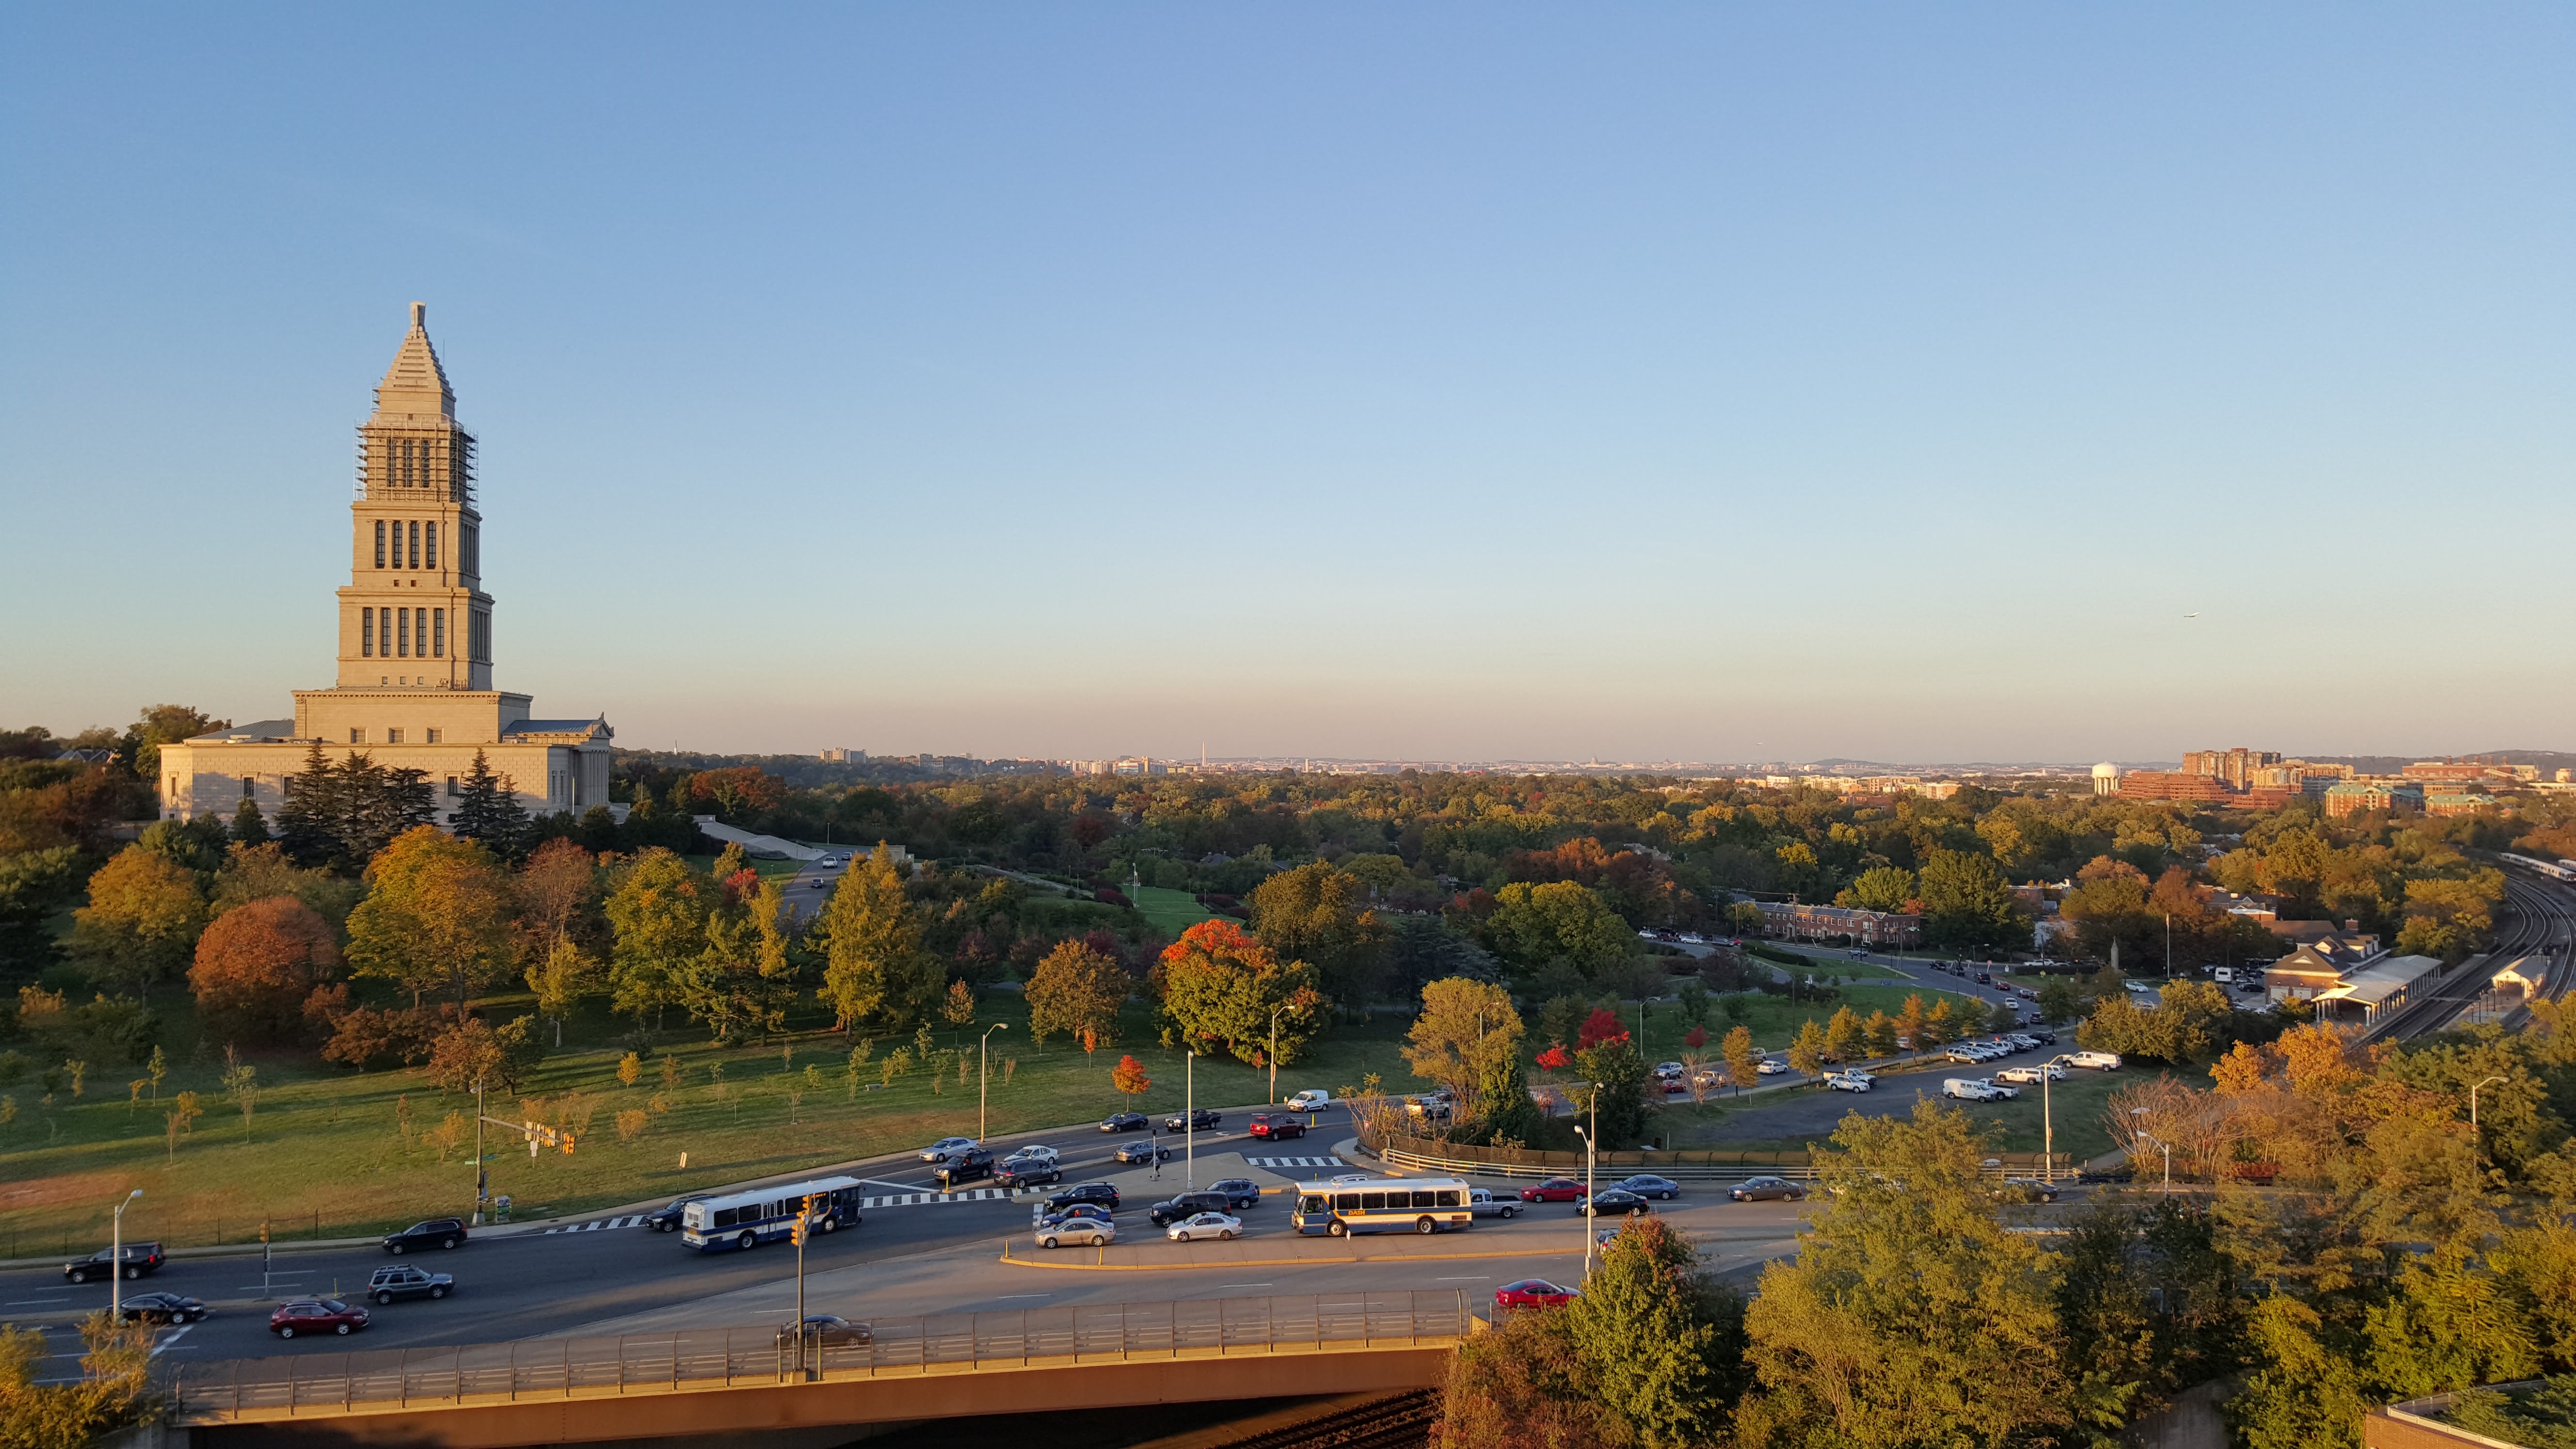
(256, 732)
(2381, 979)
(416, 384)
(578, 728)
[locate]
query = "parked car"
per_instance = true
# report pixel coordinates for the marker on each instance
(1850, 1081)
(1770, 1067)
(1646, 1184)
(1027, 1172)
(405, 1281)
(2049, 1071)
(1181, 1205)
(1429, 1109)
(1998, 1091)
(1204, 1225)
(435, 1233)
(2098, 1061)
(140, 1258)
(1200, 1120)
(1483, 1203)
(1101, 1193)
(316, 1315)
(947, 1148)
(1082, 1232)
(1278, 1128)
(162, 1308)
(666, 1219)
(1555, 1189)
(1148, 1150)
(1615, 1200)
(1765, 1189)
(1125, 1122)
(827, 1331)
(1240, 1193)
(1532, 1293)
(965, 1167)
(1967, 1089)
(1313, 1099)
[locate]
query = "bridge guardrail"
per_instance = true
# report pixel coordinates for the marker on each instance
(713, 1358)
(1423, 1154)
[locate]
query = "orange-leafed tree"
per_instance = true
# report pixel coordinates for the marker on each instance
(1220, 985)
(1129, 1078)
(255, 967)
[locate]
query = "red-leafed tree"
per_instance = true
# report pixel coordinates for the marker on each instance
(1129, 1077)
(1695, 1038)
(1601, 1026)
(256, 965)
(1555, 1059)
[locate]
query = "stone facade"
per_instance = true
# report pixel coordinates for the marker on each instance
(414, 687)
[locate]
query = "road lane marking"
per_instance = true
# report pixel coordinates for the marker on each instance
(1007, 1297)
(1247, 1285)
(175, 1335)
(1477, 1278)
(36, 1302)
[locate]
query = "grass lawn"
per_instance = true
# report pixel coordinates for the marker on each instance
(1171, 911)
(328, 1153)
(765, 867)
(1774, 1020)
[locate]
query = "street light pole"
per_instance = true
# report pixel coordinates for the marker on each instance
(482, 1182)
(116, 1261)
(2047, 1128)
(1274, 1054)
(983, 1076)
(2473, 1101)
(1190, 1121)
(1590, 1218)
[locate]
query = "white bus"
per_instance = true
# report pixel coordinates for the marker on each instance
(1404, 1204)
(743, 1219)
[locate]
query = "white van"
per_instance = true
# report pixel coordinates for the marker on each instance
(2099, 1061)
(1313, 1099)
(1967, 1089)
(2223, 975)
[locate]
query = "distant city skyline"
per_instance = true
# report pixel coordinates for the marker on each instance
(1710, 385)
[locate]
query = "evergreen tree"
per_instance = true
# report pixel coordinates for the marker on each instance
(1503, 1087)
(249, 826)
(488, 810)
(308, 823)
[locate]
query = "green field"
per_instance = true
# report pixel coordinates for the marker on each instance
(325, 1152)
(1774, 1020)
(1171, 911)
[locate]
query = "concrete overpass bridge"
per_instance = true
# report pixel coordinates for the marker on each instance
(747, 1385)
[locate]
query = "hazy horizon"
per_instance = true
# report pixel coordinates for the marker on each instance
(2003, 383)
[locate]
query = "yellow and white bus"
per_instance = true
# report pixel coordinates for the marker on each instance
(1382, 1204)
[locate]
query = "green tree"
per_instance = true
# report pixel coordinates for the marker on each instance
(1532, 925)
(1503, 1100)
(1320, 915)
(875, 971)
(436, 917)
(33, 885)
(1651, 1334)
(1220, 987)
(1464, 1027)
(250, 827)
(141, 924)
(1967, 905)
(1910, 1316)
(1075, 989)
(657, 910)
(488, 809)
(1879, 1034)
(561, 980)
(1618, 1076)
(1807, 1051)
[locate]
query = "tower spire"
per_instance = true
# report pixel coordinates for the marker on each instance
(416, 384)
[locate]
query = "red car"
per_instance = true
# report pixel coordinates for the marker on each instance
(1265, 1125)
(1555, 1189)
(316, 1315)
(1532, 1293)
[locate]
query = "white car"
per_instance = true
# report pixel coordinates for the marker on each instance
(1312, 1099)
(1849, 1081)
(1771, 1067)
(829, 861)
(2049, 1071)
(1080, 1232)
(1204, 1225)
(946, 1148)
(1032, 1153)
(1668, 1070)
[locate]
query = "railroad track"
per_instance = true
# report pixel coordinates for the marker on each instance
(2539, 921)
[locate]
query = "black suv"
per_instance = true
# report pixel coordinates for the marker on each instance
(1093, 1192)
(1200, 1121)
(140, 1258)
(1240, 1192)
(1027, 1172)
(1189, 1204)
(964, 1167)
(436, 1233)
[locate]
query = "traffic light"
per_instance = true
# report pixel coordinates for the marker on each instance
(567, 1144)
(804, 1221)
(263, 1230)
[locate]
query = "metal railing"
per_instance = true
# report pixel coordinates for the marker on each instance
(1423, 1154)
(717, 1358)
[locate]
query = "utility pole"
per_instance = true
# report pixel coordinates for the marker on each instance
(482, 1178)
(116, 1261)
(983, 1077)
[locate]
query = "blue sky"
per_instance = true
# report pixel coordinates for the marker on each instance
(1452, 382)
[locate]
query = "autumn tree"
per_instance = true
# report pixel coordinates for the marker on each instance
(1843, 1041)
(1743, 1063)
(1130, 1079)
(436, 917)
(657, 912)
(1320, 915)
(1807, 1049)
(560, 982)
(1464, 1028)
(142, 920)
(1221, 987)
(255, 967)
(1881, 888)
(256, 872)
(1075, 988)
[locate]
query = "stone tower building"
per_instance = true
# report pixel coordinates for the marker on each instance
(414, 686)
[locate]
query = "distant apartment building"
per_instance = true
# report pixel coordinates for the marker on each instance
(1132, 765)
(1825, 923)
(1886, 785)
(2242, 778)
(2457, 802)
(2353, 797)
(845, 757)
(2236, 767)
(2469, 772)
(2173, 785)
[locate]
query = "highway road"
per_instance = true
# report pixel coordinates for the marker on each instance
(812, 884)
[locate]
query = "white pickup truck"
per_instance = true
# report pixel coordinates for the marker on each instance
(1967, 1089)
(2099, 1061)
(1484, 1204)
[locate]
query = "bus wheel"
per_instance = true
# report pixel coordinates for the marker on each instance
(830, 1223)
(1334, 1229)
(1423, 1225)
(745, 1240)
